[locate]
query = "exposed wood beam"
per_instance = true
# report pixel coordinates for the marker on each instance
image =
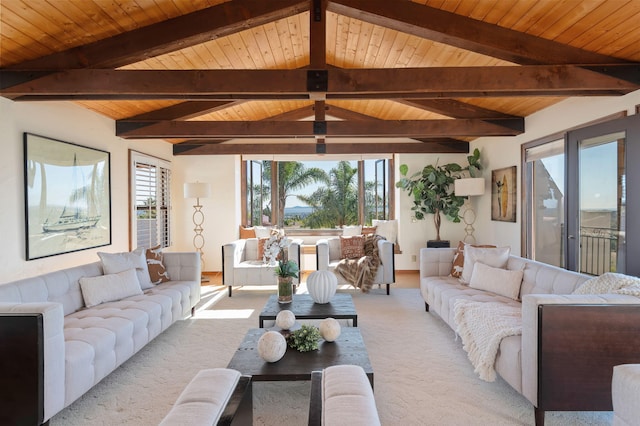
(170, 35)
(453, 108)
(185, 110)
(402, 83)
(279, 129)
(465, 33)
(331, 148)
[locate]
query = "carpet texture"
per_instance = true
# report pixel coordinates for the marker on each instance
(422, 375)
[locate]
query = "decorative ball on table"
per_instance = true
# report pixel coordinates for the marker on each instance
(330, 329)
(272, 346)
(285, 320)
(322, 286)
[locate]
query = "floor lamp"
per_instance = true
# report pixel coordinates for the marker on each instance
(467, 187)
(198, 190)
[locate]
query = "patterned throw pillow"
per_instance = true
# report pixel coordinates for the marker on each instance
(458, 259)
(261, 242)
(157, 271)
(352, 247)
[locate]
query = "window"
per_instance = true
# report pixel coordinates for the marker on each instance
(579, 213)
(150, 218)
(316, 194)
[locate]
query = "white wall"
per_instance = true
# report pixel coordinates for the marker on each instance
(502, 152)
(69, 123)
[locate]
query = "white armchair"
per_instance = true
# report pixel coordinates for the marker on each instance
(241, 265)
(328, 255)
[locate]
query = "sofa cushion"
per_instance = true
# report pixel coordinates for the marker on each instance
(496, 257)
(112, 263)
(157, 272)
(352, 247)
(496, 280)
(110, 287)
(458, 259)
(350, 231)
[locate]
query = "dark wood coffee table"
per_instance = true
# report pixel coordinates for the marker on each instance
(349, 348)
(303, 307)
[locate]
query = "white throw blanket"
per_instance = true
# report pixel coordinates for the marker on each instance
(482, 326)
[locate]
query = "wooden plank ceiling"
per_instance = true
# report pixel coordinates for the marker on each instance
(315, 76)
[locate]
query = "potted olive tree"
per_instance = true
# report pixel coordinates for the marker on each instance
(432, 189)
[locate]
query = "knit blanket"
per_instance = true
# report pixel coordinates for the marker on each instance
(482, 326)
(361, 272)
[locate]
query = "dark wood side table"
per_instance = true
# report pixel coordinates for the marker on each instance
(303, 307)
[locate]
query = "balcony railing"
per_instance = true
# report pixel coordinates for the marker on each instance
(598, 250)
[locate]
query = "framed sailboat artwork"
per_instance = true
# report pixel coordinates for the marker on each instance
(67, 197)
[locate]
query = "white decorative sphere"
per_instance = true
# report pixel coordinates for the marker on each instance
(285, 320)
(322, 286)
(330, 329)
(272, 346)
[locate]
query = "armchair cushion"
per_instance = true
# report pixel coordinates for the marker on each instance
(352, 247)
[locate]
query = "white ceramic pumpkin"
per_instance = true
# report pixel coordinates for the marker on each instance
(285, 319)
(272, 346)
(330, 329)
(322, 286)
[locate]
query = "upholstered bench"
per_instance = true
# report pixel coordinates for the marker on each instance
(218, 396)
(625, 394)
(342, 395)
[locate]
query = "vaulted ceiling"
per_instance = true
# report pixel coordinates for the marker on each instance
(316, 76)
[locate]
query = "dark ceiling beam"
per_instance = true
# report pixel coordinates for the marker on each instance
(400, 83)
(185, 110)
(283, 129)
(170, 35)
(453, 108)
(465, 33)
(302, 148)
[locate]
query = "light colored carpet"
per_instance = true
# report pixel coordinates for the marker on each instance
(422, 375)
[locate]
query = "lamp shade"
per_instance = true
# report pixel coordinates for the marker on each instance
(197, 190)
(468, 186)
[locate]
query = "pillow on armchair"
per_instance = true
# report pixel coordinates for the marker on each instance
(352, 247)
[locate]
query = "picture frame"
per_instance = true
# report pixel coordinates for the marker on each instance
(504, 191)
(67, 196)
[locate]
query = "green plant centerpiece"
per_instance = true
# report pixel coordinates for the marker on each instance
(305, 338)
(286, 271)
(432, 189)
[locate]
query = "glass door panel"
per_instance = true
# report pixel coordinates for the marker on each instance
(602, 201)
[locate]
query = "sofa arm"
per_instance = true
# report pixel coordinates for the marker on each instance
(53, 348)
(386, 253)
(183, 266)
(575, 340)
(232, 255)
(436, 262)
(322, 255)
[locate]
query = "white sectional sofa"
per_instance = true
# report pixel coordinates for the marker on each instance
(81, 345)
(563, 360)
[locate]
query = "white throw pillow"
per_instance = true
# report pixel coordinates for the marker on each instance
(262, 231)
(387, 229)
(609, 282)
(496, 257)
(496, 280)
(350, 231)
(112, 263)
(108, 288)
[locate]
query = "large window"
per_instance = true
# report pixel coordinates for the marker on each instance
(580, 212)
(150, 180)
(316, 194)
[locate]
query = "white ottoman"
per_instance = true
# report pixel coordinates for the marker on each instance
(625, 394)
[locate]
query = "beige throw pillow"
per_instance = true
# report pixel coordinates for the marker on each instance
(350, 231)
(496, 280)
(496, 257)
(113, 263)
(110, 287)
(458, 259)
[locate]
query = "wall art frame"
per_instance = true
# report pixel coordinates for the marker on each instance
(67, 197)
(504, 189)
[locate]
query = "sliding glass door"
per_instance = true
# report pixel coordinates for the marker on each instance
(603, 203)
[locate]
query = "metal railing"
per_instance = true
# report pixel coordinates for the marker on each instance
(598, 250)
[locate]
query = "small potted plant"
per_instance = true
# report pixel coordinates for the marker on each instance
(286, 271)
